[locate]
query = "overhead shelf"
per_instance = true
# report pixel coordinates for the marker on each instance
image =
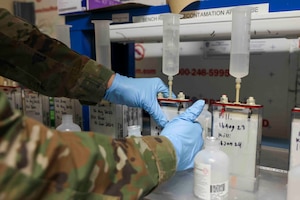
(269, 25)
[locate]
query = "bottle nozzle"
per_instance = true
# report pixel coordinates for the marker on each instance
(237, 87)
(170, 78)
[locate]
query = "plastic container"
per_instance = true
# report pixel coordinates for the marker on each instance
(170, 65)
(134, 130)
(102, 42)
(293, 192)
(240, 41)
(205, 119)
(67, 124)
(170, 43)
(211, 172)
(239, 128)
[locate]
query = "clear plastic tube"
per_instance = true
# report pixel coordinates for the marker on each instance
(102, 42)
(240, 41)
(63, 34)
(240, 45)
(170, 66)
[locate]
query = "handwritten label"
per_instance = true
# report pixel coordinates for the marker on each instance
(33, 105)
(232, 127)
(13, 96)
(62, 106)
(32, 102)
(113, 119)
(102, 116)
(238, 138)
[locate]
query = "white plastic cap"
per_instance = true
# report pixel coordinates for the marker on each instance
(211, 141)
(134, 130)
(224, 98)
(251, 101)
(181, 96)
(160, 95)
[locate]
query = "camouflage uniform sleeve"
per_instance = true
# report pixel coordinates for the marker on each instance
(40, 163)
(46, 65)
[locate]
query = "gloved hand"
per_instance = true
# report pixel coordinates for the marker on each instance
(139, 92)
(186, 135)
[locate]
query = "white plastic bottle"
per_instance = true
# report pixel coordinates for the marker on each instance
(293, 192)
(205, 120)
(67, 124)
(211, 172)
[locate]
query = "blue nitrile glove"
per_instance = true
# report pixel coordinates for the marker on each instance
(139, 92)
(186, 135)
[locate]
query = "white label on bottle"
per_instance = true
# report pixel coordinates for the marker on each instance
(219, 191)
(203, 186)
(202, 180)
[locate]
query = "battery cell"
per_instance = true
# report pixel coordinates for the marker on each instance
(239, 128)
(113, 119)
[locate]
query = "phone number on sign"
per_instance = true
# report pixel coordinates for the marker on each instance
(204, 72)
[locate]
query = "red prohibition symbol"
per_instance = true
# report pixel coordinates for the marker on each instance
(139, 51)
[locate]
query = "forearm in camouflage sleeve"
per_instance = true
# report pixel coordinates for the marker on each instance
(46, 65)
(39, 163)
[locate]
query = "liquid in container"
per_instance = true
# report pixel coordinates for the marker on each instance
(240, 41)
(67, 124)
(211, 172)
(170, 44)
(170, 66)
(239, 128)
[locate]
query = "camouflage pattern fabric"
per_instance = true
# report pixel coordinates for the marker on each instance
(40, 163)
(46, 65)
